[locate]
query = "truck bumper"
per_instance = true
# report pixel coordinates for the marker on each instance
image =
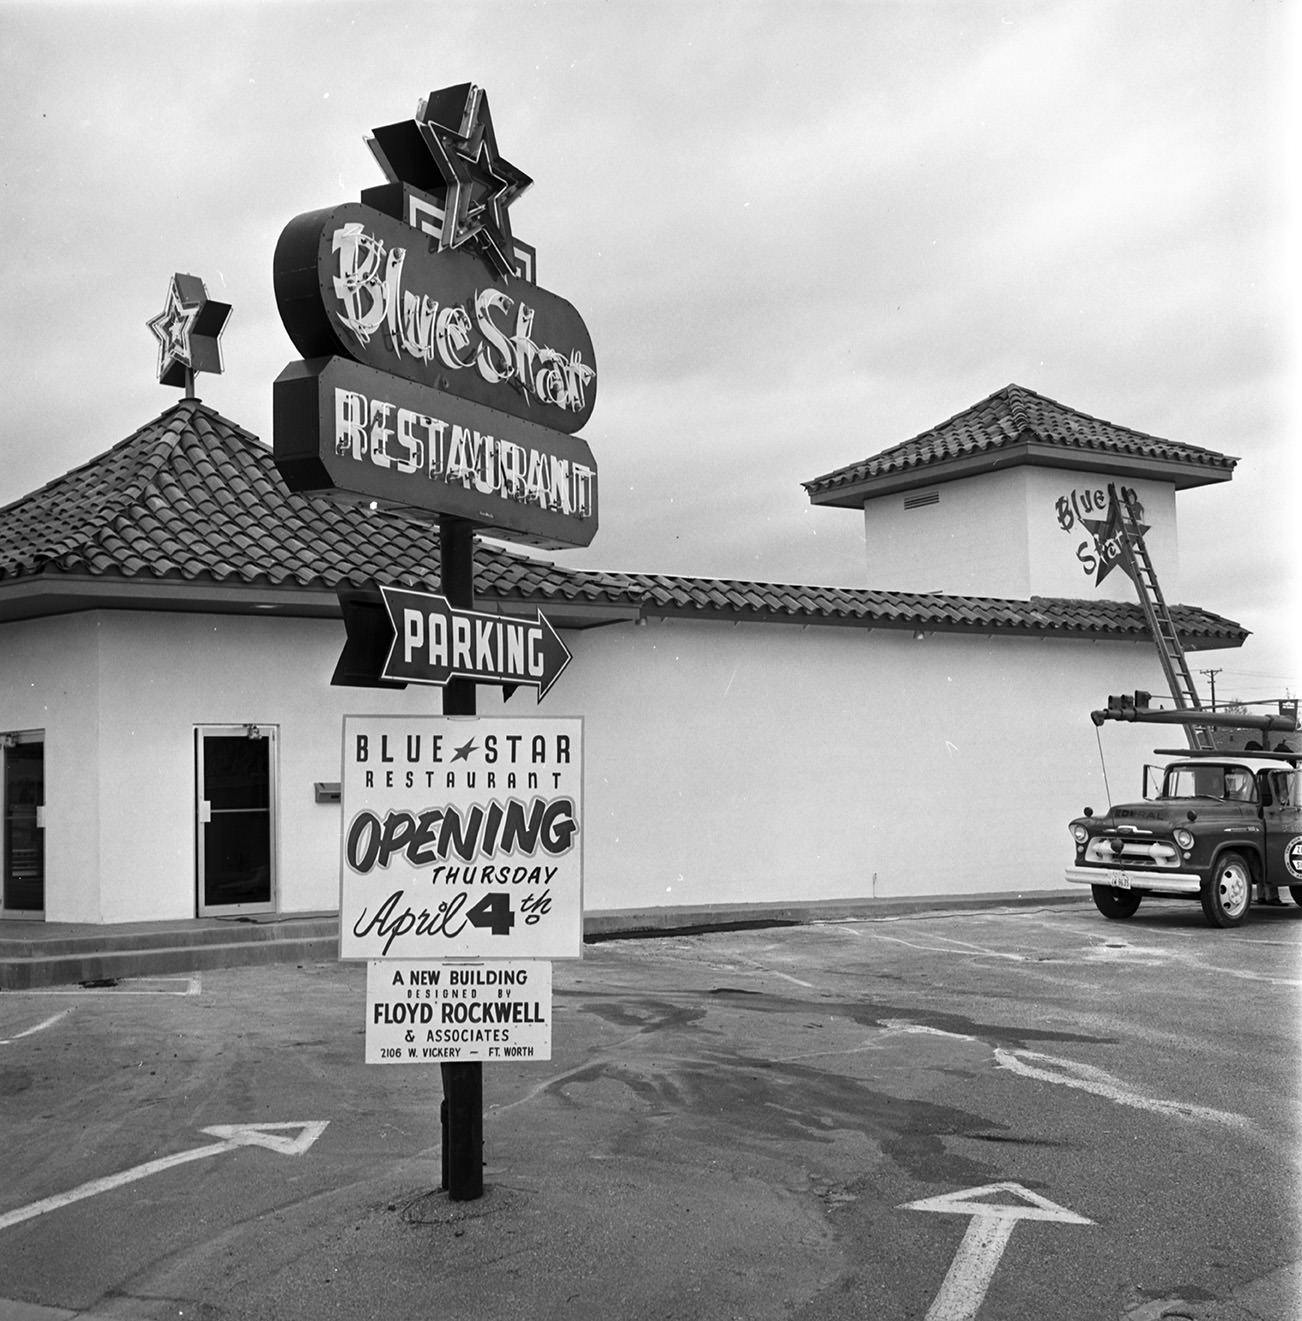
(1170, 882)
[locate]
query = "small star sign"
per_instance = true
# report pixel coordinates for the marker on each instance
(464, 751)
(188, 330)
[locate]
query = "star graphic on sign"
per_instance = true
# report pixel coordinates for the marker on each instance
(494, 185)
(188, 330)
(1108, 536)
(463, 752)
(450, 151)
(172, 328)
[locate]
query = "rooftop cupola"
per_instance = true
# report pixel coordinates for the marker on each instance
(1009, 498)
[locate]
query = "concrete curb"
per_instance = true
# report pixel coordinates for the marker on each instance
(615, 924)
(66, 953)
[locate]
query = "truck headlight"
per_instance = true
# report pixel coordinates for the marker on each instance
(1079, 832)
(1184, 838)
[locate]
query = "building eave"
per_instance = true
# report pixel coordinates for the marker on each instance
(45, 595)
(852, 494)
(925, 627)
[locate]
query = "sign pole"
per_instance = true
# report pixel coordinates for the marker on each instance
(462, 1111)
(395, 419)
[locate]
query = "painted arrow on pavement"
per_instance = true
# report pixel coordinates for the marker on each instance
(291, 1139)
(992, 1225)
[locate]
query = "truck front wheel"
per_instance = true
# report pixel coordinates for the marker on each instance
(1116, 904)
(1227, 895)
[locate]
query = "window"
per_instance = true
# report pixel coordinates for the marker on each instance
(1233, 783)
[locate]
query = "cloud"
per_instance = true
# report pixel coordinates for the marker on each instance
(798, 234)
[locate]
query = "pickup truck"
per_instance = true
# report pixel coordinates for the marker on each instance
(1212, 826)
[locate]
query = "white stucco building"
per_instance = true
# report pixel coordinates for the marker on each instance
(170, 736)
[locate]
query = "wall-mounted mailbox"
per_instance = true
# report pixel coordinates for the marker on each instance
(326, 791)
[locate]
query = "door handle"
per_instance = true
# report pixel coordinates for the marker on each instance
(205, 812)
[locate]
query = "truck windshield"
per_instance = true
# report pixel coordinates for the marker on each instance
(1234, 783)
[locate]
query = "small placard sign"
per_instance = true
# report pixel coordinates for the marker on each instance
(447, 1012)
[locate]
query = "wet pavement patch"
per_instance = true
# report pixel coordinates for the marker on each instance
(645, 1015)
(762, 1102)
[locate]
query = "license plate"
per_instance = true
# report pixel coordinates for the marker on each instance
(1119, 880)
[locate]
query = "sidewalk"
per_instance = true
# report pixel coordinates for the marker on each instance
(34, 954)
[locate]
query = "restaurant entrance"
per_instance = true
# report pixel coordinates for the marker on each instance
(22, 844)
(235, 829)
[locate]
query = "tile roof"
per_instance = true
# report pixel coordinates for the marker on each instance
(191, 497)
(1015, 417)
(928, 611)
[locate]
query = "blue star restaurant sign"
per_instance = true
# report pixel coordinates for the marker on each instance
(437, 377)
(188, 331)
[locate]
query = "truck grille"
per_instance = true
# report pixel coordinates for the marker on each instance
(1133, 852)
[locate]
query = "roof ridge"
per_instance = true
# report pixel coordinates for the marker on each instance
(1017, 399)
(1013, 416)
(1023, 391)
(70, 474)
(922, 435)
(73, 513)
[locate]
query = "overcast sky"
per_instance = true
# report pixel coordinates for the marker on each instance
(798, 233)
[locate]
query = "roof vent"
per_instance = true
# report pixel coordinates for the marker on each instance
(920, 498)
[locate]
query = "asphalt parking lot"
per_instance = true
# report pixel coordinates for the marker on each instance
(1002, 1113)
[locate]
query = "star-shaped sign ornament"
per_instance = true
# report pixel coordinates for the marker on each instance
(1110, 542)
(188, 330)
(450, 151)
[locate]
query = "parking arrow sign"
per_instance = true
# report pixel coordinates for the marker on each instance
(434, 641)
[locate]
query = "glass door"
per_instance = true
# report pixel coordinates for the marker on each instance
(22, 893)
(236, 826)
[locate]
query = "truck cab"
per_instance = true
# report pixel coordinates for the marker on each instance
(1212, 826)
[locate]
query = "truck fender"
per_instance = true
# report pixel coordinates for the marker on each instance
(1250, 848)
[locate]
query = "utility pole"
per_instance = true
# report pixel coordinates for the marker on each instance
(1211, 679)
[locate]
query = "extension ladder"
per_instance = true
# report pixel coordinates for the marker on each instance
(1160, 625)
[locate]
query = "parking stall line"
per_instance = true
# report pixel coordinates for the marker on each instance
(191, 985)
(966, 947)
(1097, 1082)
(37, 1027)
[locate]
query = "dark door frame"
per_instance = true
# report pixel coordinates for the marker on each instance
(204, 812)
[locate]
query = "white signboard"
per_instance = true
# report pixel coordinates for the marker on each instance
(461, 838)
(436, 1013)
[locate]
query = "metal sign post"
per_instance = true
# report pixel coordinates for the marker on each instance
(462, 1111)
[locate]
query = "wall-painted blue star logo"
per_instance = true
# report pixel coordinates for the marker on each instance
(1109, 542)
(188, 330)
(450, 151)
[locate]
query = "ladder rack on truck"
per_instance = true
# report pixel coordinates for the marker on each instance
(1135, 707)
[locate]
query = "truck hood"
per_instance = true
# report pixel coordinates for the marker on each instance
(1147, 815)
